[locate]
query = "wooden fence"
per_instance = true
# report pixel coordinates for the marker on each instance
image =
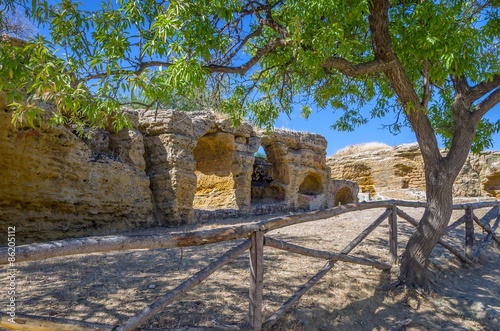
(254, 242)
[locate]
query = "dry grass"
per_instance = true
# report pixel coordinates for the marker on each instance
(361, 148)
(220, 116)
(109, 288)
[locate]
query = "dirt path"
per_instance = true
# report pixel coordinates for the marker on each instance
(109, 288)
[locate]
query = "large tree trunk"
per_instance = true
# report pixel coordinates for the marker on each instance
(440, 171)
(440, 174)
(434, 221)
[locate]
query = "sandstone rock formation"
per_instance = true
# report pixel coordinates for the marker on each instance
(175, 167)
(399, 173)
(197, 160)
(55, 185)
(3, 100)
(480, 176)
(344, 191)
(171, 168)
(300, 177)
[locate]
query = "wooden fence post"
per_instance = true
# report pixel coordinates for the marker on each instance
(256, 280)
(469, 233)
(393, 235)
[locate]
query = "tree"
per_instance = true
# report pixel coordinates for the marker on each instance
(13, 23)
(433, 65)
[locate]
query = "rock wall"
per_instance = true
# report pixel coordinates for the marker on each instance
(197, 160)
(399, 173)
(55, 185)
(480, 176)
(344, 191)
(300, 176)
(172, 168)
(201, 168)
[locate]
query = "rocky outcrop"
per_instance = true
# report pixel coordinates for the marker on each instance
(197, 160)
(171, 168)
(199, 164)
(480, 176)
(300, 177)
(399, 173)
(55, 185)
(3, 100)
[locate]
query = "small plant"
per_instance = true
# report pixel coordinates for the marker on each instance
(258, 154)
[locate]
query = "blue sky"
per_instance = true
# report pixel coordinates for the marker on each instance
(320, 122)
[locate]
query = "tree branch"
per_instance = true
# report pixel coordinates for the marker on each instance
(483, 88)
(460, 84)
(243, 69)
(269, 21)
(138, 103)
(235, 51)
(401, 84)
(427, 91)
(484, 106)
(212, 68)
(461, 103)
(351, 70)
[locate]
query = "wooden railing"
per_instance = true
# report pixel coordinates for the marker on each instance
(254, 239)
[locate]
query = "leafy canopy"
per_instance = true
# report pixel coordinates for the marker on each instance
(256, 59)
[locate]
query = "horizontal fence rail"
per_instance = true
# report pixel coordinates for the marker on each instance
(254, 240)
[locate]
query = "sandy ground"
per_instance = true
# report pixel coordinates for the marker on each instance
(109, 288)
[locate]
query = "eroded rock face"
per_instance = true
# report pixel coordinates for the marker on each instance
(481, 174)
(399, 173)
(128, 146)
(215, 181)
(197, 161)
(54, 185)
(3, 100)
(367, 170)
(300, 177)
(160, 172)
(344, 191)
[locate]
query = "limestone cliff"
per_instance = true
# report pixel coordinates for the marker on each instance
(171, 168)
(300, 176)
(197, 160)
(399, 173)
(54, 185)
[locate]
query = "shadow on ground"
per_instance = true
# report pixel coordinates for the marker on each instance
(110, 288)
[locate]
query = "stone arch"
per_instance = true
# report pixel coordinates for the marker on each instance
(344, 191)
(215, 183)
(310, 195)
(265, 189)
(344, 195)
(311, 185)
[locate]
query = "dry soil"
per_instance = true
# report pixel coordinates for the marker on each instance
(109, 288)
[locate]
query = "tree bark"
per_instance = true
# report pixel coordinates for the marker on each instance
(440, 174)
(432, 226)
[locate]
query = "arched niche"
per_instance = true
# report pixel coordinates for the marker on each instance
(265, 188)
(311, 185)
(343, 196)
(215, 185)
(311, 193)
